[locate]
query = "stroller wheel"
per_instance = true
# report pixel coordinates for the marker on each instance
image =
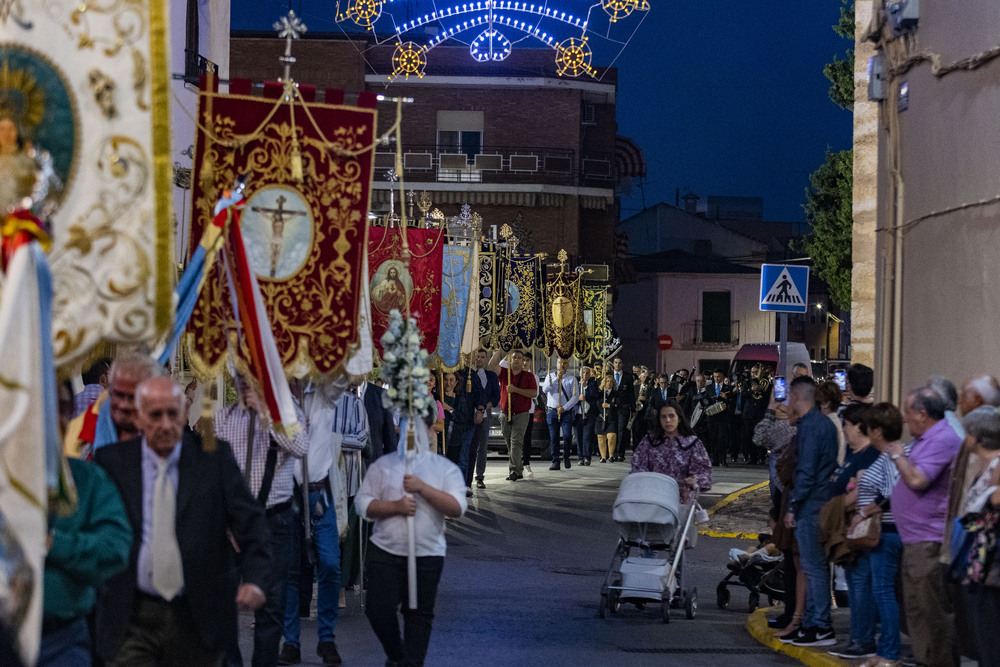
(614, 603)
(602, 608)
(691, 603)
(753, 602)
(722, 596)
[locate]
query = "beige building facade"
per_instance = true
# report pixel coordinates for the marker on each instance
(927, 194)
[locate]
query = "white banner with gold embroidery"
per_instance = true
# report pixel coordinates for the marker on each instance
(85, 85)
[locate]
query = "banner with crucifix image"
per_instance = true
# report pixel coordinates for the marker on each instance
(308, 169)
(406, 284)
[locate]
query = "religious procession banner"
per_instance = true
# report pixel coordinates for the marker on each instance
(594, 314)
(519, 305)
(308, 170)
(413, 286)
(456, 283)
(565, 330)
(470, 338)
(487, 295)
(84, 100)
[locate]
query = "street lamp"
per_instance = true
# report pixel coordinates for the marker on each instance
(830, 316)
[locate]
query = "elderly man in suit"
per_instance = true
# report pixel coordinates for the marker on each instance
(176, 602)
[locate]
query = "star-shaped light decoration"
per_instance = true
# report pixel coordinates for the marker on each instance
(290, 27)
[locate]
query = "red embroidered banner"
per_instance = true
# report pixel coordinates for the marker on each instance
(394, 286)
(304, 239)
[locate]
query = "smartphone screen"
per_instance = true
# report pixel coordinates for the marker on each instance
(780, 390)
(840, 377)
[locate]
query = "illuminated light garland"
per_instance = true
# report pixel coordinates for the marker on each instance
(409, 58)
(619, 9)
(573, 57)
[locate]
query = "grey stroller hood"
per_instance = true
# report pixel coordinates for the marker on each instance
(647, 508)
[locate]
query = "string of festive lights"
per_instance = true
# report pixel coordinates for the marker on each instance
(478, 24)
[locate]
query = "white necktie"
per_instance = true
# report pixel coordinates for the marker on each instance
(168, 574)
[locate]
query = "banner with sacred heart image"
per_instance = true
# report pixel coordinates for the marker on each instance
(414, 287)
(308, 169)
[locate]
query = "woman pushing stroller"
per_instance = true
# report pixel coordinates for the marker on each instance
(671, 448)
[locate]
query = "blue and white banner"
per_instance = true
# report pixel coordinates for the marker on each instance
(456, 283)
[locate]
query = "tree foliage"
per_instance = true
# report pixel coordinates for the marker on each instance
(840, 72)
(828, 209)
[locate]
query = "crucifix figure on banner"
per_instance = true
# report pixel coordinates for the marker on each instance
(278, 216)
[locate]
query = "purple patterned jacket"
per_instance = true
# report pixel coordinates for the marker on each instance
(679, 457)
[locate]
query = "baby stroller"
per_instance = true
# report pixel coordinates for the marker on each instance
(758, 572)
(648, 564)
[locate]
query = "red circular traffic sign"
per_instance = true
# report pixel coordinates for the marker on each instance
(666, 342)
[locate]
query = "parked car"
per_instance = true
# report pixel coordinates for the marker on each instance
(539, 435)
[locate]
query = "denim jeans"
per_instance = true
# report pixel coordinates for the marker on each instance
(859, 594)
(557, 424)
(817, 570)
(67, 645)
(885, 560)
(326, 542)
(465, 455)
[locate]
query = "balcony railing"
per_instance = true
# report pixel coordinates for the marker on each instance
(498, 164)
(720, 334)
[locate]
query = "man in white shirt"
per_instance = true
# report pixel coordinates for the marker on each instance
(433, 491)
(561, 398)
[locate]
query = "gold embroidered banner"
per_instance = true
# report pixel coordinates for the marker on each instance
(594, 313)
(84, 90)
(519, 303)
(487, 295)
(565, 331)
(305, 239)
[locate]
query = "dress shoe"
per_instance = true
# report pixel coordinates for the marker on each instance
(567, 464)
(328, 652)
(290, 655)
(468, 492)
(480, 484)
(554, 466)
(587, 462)
(602, 461)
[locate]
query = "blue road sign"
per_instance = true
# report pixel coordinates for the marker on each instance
(784, 288)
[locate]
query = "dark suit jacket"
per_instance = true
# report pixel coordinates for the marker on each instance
(380, 426)
(626, 392)
(211, 499)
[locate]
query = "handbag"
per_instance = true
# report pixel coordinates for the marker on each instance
(867, 534)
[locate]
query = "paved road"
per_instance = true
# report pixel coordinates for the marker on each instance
(522, 578)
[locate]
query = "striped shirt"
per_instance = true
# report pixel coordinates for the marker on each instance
(878, 480)
(231, 425)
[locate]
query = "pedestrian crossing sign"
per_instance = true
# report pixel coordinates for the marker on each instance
(784, 288)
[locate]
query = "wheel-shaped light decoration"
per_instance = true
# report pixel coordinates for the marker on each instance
(491, 44)
(573, 57)
(365, 12)
(619, 9)
(409, 58)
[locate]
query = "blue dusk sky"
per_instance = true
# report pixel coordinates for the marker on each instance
(724, 97)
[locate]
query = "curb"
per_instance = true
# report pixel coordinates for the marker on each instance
(726, 501)
(757, 627)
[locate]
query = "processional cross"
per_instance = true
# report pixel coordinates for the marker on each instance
(278, 216)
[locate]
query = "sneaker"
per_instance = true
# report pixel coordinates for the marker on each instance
(468, 492)
(791, 637)
(554, 466)
(877, 661)
(480, 484)
(815, 637)
(527, 472)
(328, 652)
(290, 655)
(854, 651)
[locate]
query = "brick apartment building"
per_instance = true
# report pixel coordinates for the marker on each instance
(511, 138)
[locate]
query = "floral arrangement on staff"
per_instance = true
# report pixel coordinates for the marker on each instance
(404, 368)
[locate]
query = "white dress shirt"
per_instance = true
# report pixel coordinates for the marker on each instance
(567, 398)
(384, 481)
